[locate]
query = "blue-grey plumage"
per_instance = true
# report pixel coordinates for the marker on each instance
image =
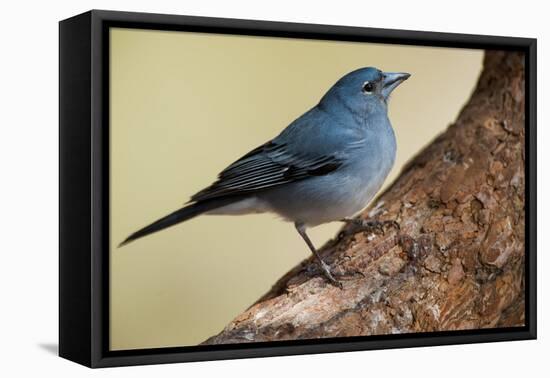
(325, 166)
(349, 125)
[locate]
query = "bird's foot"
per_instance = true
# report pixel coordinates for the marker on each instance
(335, 278)
(328, 275)
(359, 225)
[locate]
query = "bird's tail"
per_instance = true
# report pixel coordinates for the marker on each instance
(178, 216)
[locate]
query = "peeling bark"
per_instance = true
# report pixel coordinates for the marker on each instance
(457, 261)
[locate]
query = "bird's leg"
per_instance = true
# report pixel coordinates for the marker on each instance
(324, 266)
(369, 225)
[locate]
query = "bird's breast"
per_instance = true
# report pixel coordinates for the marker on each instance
(371, 164)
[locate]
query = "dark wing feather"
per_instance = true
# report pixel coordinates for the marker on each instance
(264, 167)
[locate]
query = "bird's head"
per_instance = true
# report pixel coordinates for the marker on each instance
(364, 88)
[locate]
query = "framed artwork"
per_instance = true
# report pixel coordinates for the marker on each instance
(235, 188)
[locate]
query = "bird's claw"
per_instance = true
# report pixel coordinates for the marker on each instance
(328, 274)
(334, 278)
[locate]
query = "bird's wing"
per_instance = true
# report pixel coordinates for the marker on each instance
(269, 165)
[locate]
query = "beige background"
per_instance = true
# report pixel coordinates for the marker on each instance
(184, 106)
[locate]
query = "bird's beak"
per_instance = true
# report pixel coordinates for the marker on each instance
(392, 80)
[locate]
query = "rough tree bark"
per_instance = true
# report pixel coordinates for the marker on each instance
(457, 261)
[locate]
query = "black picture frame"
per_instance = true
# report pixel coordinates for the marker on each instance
(84, 180)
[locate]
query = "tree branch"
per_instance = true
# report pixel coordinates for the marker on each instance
(457, 261)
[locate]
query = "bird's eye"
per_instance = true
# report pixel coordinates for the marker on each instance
(368, 87)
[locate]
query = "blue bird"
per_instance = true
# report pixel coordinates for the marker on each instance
(325, 166)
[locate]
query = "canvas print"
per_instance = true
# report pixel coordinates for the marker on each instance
(274, 189)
